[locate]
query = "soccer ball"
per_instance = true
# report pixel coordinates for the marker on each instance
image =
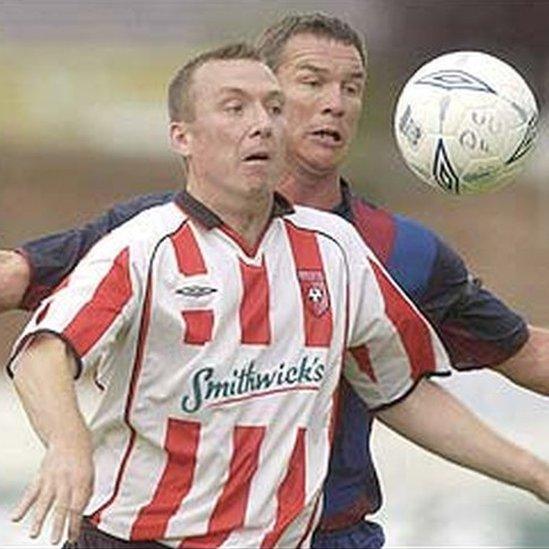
(465, 122)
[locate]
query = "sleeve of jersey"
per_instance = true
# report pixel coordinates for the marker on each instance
(53, 257)
(92, 306)
(392, 346)
(477, 328)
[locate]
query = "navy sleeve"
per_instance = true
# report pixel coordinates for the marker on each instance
(53, 257)
(477, 328)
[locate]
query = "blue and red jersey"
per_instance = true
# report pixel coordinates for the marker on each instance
(477, 329)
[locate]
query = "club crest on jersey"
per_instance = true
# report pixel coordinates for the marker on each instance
(314, 291)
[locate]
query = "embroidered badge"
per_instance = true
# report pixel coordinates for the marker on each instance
(314, 291)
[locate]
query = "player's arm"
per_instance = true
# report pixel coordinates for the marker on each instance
(479, 330)
(30, 275)
(391, 354)
(434, 419)
(44, 381)
(72, 330)
(15, 276)
(530, 366)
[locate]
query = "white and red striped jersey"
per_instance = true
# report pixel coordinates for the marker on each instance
(219, 366)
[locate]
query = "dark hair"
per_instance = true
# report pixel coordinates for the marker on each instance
(180, 101)
(274, 38)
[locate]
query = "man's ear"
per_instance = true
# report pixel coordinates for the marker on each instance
(180, 138)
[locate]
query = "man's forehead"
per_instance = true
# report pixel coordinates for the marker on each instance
(232, 74)
(311, 50)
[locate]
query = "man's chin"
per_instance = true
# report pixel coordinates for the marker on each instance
(322, 167)
(262, 180)
(323, 161)
(258, 187)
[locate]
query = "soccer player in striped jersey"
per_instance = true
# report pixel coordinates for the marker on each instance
(217, 324)
(476, 327)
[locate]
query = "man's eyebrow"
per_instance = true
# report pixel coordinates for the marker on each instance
(276, 94)
(358, 75)
(310, 67)
(232, 89)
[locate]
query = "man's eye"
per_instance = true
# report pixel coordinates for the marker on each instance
(276, 109)
(352, 89)
(311, 82)
(234, 108)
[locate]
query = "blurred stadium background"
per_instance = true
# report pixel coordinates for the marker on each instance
(83, 125)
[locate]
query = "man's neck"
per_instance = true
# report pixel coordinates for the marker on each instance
(316, 191)
(247, 216)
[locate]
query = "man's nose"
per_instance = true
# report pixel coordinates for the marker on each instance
(333, 102)
(262, 124)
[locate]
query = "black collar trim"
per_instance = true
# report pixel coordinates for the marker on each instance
(199, 211)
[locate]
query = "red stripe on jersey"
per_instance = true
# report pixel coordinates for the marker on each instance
(249, 249)
(254, 309)
(314, 291)
(188, 254)
(230, 510)
(291, 493)
(137, 365)
(413, 330)
(181, 445)
(198, 326)
(108, 300)
(362, 357)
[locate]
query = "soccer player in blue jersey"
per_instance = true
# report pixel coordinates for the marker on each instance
(320, 62)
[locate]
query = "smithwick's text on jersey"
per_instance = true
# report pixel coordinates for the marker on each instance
(249, 382)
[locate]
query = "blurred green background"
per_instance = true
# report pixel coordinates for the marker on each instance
(83, 125)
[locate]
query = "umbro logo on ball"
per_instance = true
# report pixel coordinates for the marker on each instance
(455, 79)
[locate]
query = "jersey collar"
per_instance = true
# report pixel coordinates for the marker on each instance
(200, 212)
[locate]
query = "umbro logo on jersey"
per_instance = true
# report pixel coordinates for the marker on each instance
(195, 291)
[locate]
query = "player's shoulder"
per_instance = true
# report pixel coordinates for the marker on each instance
(415, 230)
(331, 229)
(153, 222)
(320, 221)
(385, 230)
(145, 201)
(415, 254)
(376, 216)
(142, 232)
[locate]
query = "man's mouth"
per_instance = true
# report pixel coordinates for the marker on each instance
(329, 136)
(259, 156)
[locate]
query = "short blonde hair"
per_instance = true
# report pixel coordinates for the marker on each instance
(180, 101)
